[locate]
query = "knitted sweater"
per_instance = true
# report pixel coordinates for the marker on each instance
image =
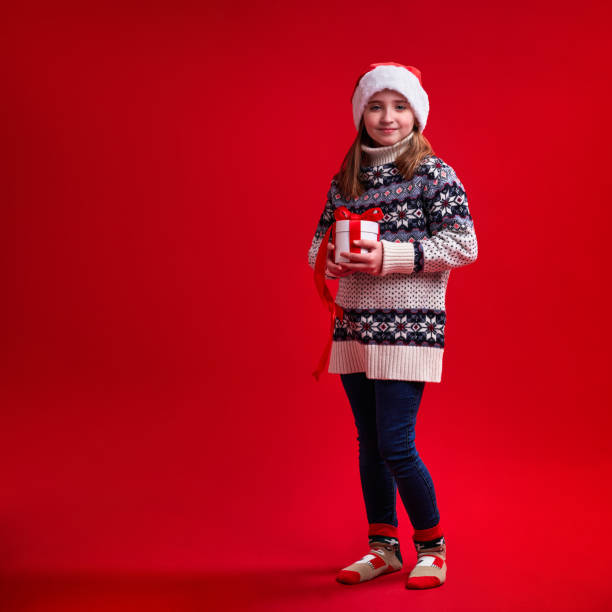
(393, 324)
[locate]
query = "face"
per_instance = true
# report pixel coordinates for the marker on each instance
(388, 117)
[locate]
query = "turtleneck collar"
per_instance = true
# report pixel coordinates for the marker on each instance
(377, 156)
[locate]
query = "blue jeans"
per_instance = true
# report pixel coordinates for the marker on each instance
(385, 413)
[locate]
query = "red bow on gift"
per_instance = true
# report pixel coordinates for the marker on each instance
(340, 214)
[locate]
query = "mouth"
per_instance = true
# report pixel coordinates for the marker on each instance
(388, 130)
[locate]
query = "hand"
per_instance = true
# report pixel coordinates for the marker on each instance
(370, 262)
(332, 268)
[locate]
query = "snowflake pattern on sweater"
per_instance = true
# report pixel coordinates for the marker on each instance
(426, 230)
(434, 199)
(392, 326)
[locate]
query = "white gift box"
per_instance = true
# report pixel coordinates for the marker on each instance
(346, 231)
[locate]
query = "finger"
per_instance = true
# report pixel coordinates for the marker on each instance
(333, 268)
(330, 246)
(358, 266)
(340, 274)
(366, 244)
(358, 257)
(331, 260)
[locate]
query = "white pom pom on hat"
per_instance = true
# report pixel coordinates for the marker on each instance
(389, 75)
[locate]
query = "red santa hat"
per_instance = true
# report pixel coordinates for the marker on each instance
(406, 80)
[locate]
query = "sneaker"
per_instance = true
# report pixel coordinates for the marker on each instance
(430, 569)
(381, 559)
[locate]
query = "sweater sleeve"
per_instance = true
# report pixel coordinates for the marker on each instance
(451, 240)
(325, 221)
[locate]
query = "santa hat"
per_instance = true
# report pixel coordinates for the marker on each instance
(404, 79)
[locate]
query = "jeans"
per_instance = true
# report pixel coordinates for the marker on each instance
(385, 414)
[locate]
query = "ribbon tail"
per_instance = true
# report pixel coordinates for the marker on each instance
(337, 313)
(326, 351)
(328, 300)
(319, 272)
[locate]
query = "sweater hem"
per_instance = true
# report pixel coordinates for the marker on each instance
(387, 362)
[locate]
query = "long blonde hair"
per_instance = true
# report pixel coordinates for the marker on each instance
(347, 177)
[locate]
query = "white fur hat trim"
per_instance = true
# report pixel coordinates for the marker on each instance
(391, 77)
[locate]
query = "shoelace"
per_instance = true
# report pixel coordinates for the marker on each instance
(383, 548)
(378, 551)
(438, 551)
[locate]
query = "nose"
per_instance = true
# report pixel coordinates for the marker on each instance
(386, 116)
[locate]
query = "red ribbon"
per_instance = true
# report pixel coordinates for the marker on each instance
(340, 214)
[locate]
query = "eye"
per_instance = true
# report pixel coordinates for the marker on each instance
(398, 106)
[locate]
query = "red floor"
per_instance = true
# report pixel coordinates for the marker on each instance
(541, 536)
(469, 587)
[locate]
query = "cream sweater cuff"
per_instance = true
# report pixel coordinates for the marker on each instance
(397, 257)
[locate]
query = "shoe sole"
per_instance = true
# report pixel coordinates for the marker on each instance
(349, 581)
(423, 582)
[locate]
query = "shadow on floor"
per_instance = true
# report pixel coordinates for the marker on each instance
(252, 589)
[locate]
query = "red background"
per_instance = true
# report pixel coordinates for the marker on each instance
(164, 169)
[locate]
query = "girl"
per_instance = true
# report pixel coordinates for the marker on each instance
(389, 340)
